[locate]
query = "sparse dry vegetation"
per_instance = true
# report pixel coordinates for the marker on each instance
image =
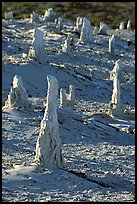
(111, 13)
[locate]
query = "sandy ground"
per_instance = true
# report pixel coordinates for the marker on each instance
(94, 143)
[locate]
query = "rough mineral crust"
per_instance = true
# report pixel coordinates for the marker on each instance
(17, 97)
(49, 146)
(112, 44)
(50, 15)
(86, 35)
(37, 50)
(67, 100)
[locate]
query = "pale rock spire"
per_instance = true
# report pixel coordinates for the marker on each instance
(79, 22)
(67, 100)
(50, 15)
(49, 145)
(66, 46)
(34, 17)
(112, 44)
(18, 97)
(121, 26)
(86, 35)
(37, 51)
(9, 15)
(128, 25)
(115, 103)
